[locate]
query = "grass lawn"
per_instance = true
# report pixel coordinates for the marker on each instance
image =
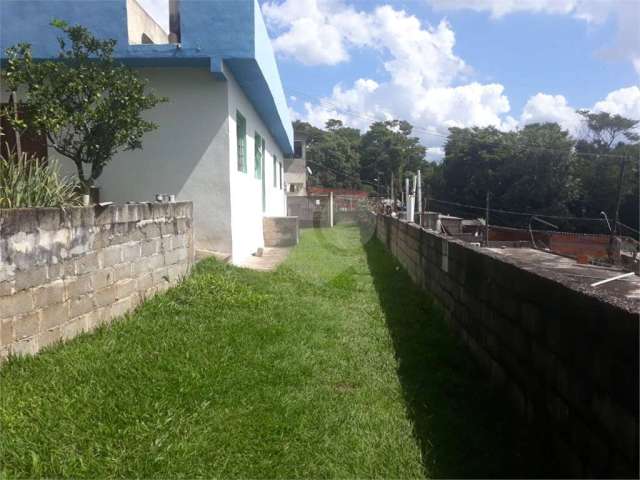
(332, 366)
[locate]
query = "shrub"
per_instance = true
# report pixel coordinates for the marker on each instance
(26, 181)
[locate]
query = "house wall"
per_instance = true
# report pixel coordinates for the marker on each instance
(246, 190)
(66, 271)
(187, 155)
(566, 358)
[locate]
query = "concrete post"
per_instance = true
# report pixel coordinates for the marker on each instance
(331, 209)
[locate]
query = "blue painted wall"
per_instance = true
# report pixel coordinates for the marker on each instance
(212, 31)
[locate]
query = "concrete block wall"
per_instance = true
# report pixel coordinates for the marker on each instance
(66, 271)
(280, 231)
(566, 359)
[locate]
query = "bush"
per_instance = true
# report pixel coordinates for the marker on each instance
(27, 181)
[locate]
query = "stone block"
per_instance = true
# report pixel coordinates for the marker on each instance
(17, 304)
(32, 277)
(120, 308)
(26, 325)
(54, 316)
(49, 294)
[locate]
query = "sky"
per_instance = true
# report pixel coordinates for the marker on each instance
(444, 63)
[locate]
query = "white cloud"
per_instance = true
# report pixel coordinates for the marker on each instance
(626, 13)
(543, 108)
(316, 32)
(625, 102)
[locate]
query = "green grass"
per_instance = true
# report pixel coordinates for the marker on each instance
(332, 366)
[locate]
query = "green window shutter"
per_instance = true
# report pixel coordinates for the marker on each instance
(275, 172)
(241, 139)
(259, 155)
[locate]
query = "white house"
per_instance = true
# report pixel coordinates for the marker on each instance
(224, 133)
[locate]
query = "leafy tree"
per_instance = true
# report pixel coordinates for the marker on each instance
(334, 156)
(88, 105)
(607, 129)
(388, 148)
(606, 167)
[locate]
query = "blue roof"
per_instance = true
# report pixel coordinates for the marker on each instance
(212, 31)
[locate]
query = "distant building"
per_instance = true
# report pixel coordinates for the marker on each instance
(295, 169)
(224, 133)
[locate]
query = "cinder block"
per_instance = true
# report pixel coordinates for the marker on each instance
(150, 247)
(131, 252)
(26, 325)
(106, 296)
(73, 328)
(103, 278)
(123, 271)
(49, 337)
(7, 335)
(49, 294)
(87, 263)
(80, 306)
(125, 288)
(77, 286)
(31, 278)
(111, 255)
(17, 304)
(7, 288)
(26, 346)
(54, 316)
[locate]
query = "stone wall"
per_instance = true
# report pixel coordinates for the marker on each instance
(566, 358)
(66, 271)
(280, 231)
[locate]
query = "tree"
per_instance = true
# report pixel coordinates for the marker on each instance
(88, 105)
(334, 155)
(388, 148)
(606, 129)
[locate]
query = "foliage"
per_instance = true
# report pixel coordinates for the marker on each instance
(388, 148)
(88, 105)
(334, 366)
(542, 169)
(335, 154)
(26, 181)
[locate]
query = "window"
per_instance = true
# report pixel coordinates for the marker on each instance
(259, 155)
(276, 170)
(297, 149)
(241, 141)
(281, 175)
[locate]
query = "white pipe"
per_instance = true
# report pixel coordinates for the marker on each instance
(331, 209)
(618, 277)
(419, 198)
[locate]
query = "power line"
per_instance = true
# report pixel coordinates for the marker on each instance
(428, 131)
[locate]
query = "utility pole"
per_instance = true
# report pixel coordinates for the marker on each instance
(486, 226)
(419, 198)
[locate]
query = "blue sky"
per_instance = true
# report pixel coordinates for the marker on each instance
(443, 63)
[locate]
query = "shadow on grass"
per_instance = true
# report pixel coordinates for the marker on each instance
(465, 429)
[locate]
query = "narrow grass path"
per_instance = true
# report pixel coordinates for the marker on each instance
(331, 367)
